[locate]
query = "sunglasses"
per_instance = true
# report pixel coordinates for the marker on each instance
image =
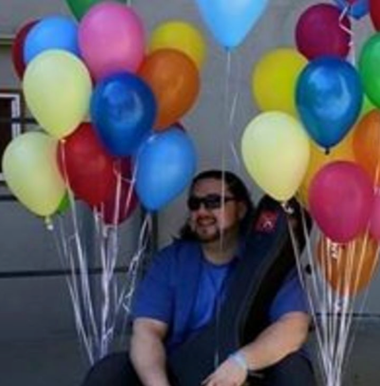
(211, 201)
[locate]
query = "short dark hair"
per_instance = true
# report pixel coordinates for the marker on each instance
(237, 188)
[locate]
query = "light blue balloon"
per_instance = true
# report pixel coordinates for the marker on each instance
(329, 98)
(165, 166)
(357, 9)
(231, 20)
(53, 32)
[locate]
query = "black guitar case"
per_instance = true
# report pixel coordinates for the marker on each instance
(267, 260)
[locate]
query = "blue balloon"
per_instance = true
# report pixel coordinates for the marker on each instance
(123, 111)
(356, 9)
(54, 32)
(231, 20)
(329, 97)
(165, 165)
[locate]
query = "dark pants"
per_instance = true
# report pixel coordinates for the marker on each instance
(117, 370)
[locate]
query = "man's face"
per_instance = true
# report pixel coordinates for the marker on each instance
(211, 216)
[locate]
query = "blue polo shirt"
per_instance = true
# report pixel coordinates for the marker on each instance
(183, 290)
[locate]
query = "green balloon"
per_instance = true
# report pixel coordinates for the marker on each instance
(369, 69)
(64, 205)
(80, 7)
(367, 106)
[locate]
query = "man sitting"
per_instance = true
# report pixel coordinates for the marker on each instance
(185, 288)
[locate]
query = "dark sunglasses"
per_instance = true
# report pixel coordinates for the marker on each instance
(211, 201)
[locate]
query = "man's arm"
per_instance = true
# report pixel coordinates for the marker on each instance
(281, 338)
(148, 352)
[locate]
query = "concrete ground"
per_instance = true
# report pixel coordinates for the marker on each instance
(59, 361)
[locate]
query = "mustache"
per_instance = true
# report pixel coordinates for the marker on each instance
(202, 219)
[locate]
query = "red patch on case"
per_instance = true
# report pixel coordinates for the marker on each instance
(266, 222)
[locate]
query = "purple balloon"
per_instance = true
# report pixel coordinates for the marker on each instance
(340, 198)
(320, 31)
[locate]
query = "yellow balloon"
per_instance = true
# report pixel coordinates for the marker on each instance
(318, 158)
(181, 36)
(31, 172)
(276, 151)
(274, 80)
(57, 89)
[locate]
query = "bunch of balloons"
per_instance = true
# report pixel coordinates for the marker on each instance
(109, 107)
(319, 133)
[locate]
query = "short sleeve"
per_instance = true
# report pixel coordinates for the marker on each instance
(290, 298)
(154, 296)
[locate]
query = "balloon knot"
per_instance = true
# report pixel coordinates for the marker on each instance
(287, 208)
(49, 224)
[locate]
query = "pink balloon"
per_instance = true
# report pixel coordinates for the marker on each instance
(111, 39)
(374, 225)
(319, 31)
(340, 198)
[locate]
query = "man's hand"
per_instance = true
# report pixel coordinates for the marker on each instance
(229, 373)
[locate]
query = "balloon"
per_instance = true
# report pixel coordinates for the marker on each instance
(367, 107)
(64, 205)
(366, 144)
(348, 268)
(166, 164)
(374, 11)
(122, 202)
(54, 32)
(18, 48)
(80, 7)
(231, 21)
(275, 151)
(368, 68)
(274, 80)
(356, 8)
(86, 166)
(374, 223)
(57, 89)
(175, 82)
(320, 31)
(31, 172)
(123, 110)
(318, 159)
(340, 200)
(111, 38)
(181, 36)
(329, 99)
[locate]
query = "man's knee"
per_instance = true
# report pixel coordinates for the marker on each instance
(114, 369)
(294, 370)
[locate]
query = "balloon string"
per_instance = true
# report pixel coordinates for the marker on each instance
(348, 30)
(231, 120)
(66, 257)
(331, 310)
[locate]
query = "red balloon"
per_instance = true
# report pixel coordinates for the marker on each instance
(320, 31)
(86, 166)
(18, 48)
(374, 11)
(123, 200)
(340, 200)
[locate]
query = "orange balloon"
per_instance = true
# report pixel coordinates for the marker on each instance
(348, 268)
(366, 144)
(174, 80)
